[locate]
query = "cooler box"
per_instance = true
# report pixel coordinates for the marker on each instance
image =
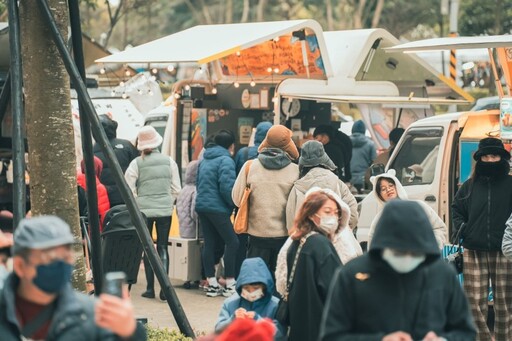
(185, 259)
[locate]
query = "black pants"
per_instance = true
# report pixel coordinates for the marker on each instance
(217, 228)
(241, 254)
(267, 249)
(163, 227)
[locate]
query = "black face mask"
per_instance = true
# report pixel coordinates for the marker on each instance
(492, 169)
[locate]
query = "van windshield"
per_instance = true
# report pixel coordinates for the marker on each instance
(415, 163)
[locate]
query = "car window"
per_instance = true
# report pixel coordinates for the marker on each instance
(415, 162)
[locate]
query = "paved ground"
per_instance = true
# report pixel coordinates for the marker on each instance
(201, 311)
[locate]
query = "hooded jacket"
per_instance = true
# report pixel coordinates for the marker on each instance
(438, 226)
(73, 317)
(363, 153)
(215, 179)
(186, 203)
(344, 242)
(249, 153)
(271, 178)
(322, 178)
(483, 205)
(368, 299)
(124, 151)
(253, 270)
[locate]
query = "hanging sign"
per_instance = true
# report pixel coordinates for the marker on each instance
(506, 118)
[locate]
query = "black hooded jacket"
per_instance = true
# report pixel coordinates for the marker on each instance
(125, 152)
(483, 205)
(368, 299)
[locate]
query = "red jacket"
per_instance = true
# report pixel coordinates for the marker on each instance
(101, 190)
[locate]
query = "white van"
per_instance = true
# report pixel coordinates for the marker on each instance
(440, 150)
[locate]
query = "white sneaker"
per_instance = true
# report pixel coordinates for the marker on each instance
(213, 290)
(229, 290)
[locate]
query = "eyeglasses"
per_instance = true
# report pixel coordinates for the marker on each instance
(385, 189)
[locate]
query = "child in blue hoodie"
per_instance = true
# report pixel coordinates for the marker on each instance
(253, 297)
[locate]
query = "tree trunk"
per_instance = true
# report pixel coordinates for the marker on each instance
(53, 186)
(245, 11)
(377, 13)
(358, 14)
(260, 10)
(328, 12)
(229, 11)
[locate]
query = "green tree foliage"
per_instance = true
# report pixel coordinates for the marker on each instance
(485, 17)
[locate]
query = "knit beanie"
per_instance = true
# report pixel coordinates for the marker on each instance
(359, 127)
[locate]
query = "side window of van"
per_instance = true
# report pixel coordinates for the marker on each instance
(415, 163)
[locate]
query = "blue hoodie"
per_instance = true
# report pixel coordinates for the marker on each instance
(253, 270)
(249, 153)
(215, 179)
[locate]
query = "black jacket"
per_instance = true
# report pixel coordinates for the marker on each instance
(315, 269)
(125, 152)
(368, 299)
(483, 205)
(335, 153)
(73, 318)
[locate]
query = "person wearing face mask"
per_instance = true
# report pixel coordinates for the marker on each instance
(401, 290)
(343, 240)
(38, 302)
(253, 298)
(480, 211)
(387, 187)
(319, 220)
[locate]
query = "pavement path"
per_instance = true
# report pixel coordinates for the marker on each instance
(201, 311)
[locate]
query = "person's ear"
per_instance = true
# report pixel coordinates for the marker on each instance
(19, 266)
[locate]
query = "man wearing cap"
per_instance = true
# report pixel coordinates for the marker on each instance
(38, 302)
(480, 211)
(124, 151)
(401, 290)
(271, 177)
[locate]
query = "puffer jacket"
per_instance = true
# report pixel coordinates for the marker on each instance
(506, 245)
(124, 151)
(438, 226)
(215, 179)
(483, 205)
(363, 154)
(185, 205)
(73, 318)
(249, 153)
(253, 270)
(322, 178)
(101, 192)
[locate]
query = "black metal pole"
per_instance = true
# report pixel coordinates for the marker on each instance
(101, 139)
(5, 95)
(90, 176)
(18, 143)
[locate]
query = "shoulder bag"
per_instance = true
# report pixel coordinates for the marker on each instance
(283, 309)
(241, 223)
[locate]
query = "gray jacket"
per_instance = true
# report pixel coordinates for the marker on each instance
(73, 318)
(506, 244)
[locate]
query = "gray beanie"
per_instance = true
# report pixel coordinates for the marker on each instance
(41, 232)
(313, 154)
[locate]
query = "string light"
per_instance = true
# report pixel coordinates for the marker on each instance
(236, 85)
(154, 70)
(170, 68)
(269, 69)
(253, 83)
(214, 91)
(177, 95)
(127, 73)
(276, 39)
(102, 70)
(276, 70)
(121, 83)
(187, 87)
(238, 53)
(124, 95)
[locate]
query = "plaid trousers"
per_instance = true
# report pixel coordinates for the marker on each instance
(479, 268)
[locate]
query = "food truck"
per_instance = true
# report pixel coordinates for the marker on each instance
(435, 155)
(288, 72)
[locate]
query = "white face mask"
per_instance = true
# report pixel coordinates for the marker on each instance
(328, 223)
(252, 296)
(404, 263)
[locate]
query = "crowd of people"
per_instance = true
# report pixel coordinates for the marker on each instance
(297, 272)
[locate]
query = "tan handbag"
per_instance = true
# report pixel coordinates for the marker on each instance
(242, 217)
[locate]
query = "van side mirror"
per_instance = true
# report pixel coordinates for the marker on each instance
(377, 169)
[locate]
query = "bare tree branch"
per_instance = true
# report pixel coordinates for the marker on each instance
(377, 13)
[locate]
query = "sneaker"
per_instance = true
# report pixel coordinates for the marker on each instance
(203, 285)
(213, 291)
(229, 290)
